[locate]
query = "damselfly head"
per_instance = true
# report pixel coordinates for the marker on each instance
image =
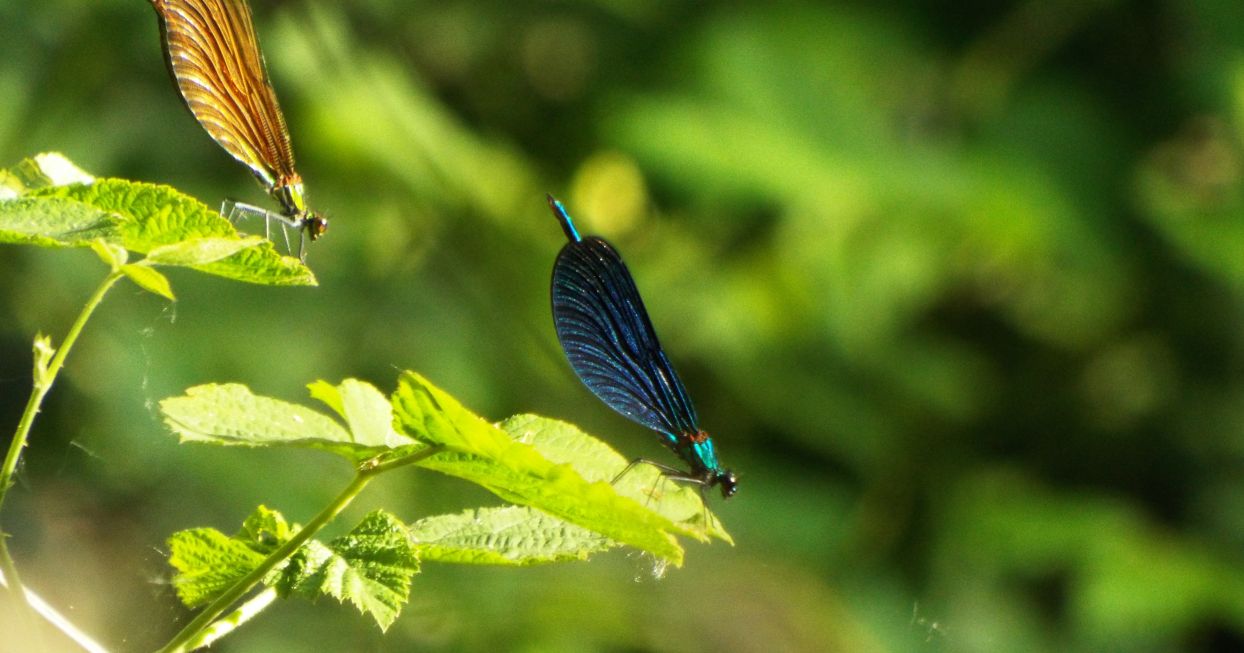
(315, 224)
(727, 480)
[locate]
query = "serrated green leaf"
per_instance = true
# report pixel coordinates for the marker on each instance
(54, 222)
(262, 265)
(509, 535)
(207, 563)
(265, 529)
(47, 201)
(370, 567)
(565, 443)
(484, 454)
(154, 216)
(230, 414)
(149, 279)
(200, 251)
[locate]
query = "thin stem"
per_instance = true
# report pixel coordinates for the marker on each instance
(233, 620)
(44, 377)
(191, 634)
(235, 592)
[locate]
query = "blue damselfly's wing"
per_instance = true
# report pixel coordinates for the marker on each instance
(609, 340)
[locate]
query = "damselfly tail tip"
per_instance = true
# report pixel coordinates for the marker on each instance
(559, 211)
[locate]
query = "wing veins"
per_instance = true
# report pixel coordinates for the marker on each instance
(601, 315)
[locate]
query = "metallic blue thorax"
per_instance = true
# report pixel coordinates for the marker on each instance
(701, 454)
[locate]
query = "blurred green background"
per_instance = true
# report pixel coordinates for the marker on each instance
(957, 286)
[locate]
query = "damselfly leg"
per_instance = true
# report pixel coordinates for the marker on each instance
(668, 473)
(235, 212)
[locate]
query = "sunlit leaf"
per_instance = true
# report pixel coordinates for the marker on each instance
(365, 409)
(562, 442)
(370, 567)
(510, 535)
(41, 171)
(230, 414)
(207, 563)
(149, 279)
(153, 216)
(54, 222)
(484, 454)
(200, 251)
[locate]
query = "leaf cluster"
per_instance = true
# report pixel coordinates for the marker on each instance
(554, 477)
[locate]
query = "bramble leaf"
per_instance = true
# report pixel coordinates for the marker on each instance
(230, 414)
(200, 251)
(154, 216)
(370, 567)
(41, 171)
(47, 201)
(53, 222)
(265, 529)
(365, 409)
(484, 454)
(508, 535)
(565, 443)
(208, 561)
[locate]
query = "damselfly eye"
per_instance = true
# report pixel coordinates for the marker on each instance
(316, 225)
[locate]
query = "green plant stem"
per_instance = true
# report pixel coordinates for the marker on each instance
(233, 620)
(192, 633)
(44, 377)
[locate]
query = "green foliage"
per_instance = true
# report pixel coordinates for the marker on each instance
(518, 472)
(960, 295)
(530, 461)
(53, 222)
(48, 202)
(370, 567)
(208, 561)
(230, 414)
(535, 462)
(509, 535)
(41, 171)
(366, 412)
(567, 444)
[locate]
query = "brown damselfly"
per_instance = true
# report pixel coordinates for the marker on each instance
(213, 55)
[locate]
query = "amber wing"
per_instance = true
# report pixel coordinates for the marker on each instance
(213, 54)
